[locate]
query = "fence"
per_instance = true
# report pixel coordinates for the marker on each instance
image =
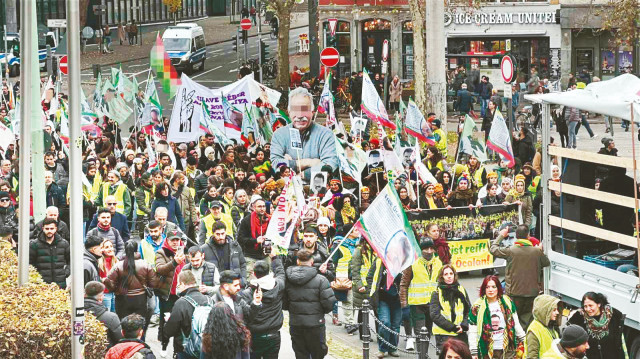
(423, 340)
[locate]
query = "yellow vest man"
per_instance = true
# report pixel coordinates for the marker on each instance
(215, 214)
(440, 136)
(574, 344)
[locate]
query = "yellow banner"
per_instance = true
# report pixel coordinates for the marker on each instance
(470, 255)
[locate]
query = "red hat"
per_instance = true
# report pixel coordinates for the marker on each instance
(374, 142)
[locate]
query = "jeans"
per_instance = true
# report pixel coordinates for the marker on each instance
(348, 314)
(484, 102)
(572, 134)
(109, 301)
(585, 123)
(390, 314)
(265, 346)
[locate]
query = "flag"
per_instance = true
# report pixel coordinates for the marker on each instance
(424, 175)
(372, 105)
(386, 227)
(232, 130)
(470, 145)
(500, 139)
(97, 93)
(161, 64)
(85, 107)
(351, 163)
(64, 127)
(151, 102)
(416, 125)
(325, 105)
(210, 127)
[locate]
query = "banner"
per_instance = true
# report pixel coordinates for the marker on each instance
(372, 105)
(470, 145)
(285, 217)
(325, 104)
(500, 139)
(416, 125)
(464, 223)
(385, 227)
(470, 255)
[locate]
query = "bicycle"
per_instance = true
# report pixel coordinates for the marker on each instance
(525, 118)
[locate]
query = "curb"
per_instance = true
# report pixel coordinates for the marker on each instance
(207, 44)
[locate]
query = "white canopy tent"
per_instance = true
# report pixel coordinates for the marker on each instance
(612, 97)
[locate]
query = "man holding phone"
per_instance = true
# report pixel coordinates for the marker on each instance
(169, 260)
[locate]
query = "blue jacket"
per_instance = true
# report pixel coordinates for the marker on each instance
(171, 204)
(118, 221)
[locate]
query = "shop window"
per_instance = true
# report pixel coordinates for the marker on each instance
(377, 25)
(407, 50)
(341, 40)
(584, 59)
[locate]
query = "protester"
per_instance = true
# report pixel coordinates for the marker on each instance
(164, 199)
(50, 254)
(386, 300)
(251, 235)
(225, 336)
(225, 253)
(543, 329)
(206, 274)
(573, 344)
(105, 263)
(132, 344)
(92, 253)
(105, 231)
(51, 212)
(454, 349)
(320, 253)
(118, 220)
(449, 307)
(93, 302)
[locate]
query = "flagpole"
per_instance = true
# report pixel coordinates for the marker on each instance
(338, 246)
(417, 189)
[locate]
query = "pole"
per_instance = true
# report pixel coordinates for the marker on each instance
(546, 193)
(386, 78)
(366, 333)
(75, 182)
(423, 344)
(6, 50)
(314, 51)
(635, 180)
(510, 113)
(140, 24)
(260, 39)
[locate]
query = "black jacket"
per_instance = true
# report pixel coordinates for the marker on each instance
(63, 230)
(234, 256)
(110, 320)
(9, 219)
(51, 260)
(270, 317)
(308, 297)
(320, 255)
(90, 265)
(201, 183)
(435, 309)
(250, 246)
(55, 196)
(209, 271)
(610, 344)
(181, 315)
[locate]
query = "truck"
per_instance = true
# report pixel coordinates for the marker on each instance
(574, 239)
(11, 55)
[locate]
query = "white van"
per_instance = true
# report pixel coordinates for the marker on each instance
(186, 46)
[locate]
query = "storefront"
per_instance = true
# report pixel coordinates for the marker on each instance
(341, 40)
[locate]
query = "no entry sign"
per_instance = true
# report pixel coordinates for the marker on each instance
(63, 65)
(329, 57)
(506, 67)
(245, 24)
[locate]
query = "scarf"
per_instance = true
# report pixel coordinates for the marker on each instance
(174, 282)
(442, 248)
(348, 214)
(258, 228)
(465, 194)
(523, 243)
(451, 293)
(104, 228)
(485, 340)
(598, 328)
(517, 195)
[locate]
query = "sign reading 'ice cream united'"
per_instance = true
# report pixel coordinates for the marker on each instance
(484, 18)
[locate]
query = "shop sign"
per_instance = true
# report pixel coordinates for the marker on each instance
(483, 18)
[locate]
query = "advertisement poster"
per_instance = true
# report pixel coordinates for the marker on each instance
(625, 62)
(608, 62)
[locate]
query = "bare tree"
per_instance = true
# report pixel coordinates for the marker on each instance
(283, 9)
(418, 9)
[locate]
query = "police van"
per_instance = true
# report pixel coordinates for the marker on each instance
(186, 46)
(11, 55)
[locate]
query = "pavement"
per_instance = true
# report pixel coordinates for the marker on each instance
(217, 29)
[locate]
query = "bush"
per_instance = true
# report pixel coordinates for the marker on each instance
(35, 319)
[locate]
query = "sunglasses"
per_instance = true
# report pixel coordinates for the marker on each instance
(4, 200)
(111, 204)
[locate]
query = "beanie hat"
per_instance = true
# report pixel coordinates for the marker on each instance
(438, 188)
(364, 189)
(129, 152)
(573, 336)
(324, 220)
(209, 151)
(606, 141)
(492, 174)
(426, 242)
(519, 178)
(436, 123)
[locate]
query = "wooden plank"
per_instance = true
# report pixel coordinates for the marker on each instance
(591, 157)
(594, 231)
(592, 194)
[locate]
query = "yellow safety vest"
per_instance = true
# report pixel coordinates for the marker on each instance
(438, 165)
(446, 312)
(552, 353)
(423, 284)
(119, 195)
(148, 253)
(477, 177)
(545, 336)
(376, 275)
(95, 186)
(442, 144)
(342, 268)
(364, 269)
(209, 221)
(147, 202)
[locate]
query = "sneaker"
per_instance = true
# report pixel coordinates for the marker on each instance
(394, 354)
(155, 319)
(595, 135)
(411, 344)
(380, 355)
(163, 353)
(352, 329)
(336, 321)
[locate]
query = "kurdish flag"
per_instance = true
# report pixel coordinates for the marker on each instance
(386, 227)
(500, 139)
(209, 126)
(161, 64)
(416, 125)
(372, 105)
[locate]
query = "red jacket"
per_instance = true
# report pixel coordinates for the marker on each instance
(127, 348)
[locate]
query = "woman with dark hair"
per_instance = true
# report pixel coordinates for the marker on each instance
(261, 163)
(604, 324)
(494, 327)
(449, 307)
(492, 196)
(463, 195)
(406, 201)
(208, 198)
(434, 161)
(229, 160)
(444, 178)
(224, 336)
(163, 198)
(439, 242)
(454, 349)
(130, 280)
(430, 199)
(346, 212)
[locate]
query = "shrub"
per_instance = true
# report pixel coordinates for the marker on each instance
(35, 319)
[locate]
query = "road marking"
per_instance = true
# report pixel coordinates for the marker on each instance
(233, 70)
(217, 81)
(139, 65)
(206, 72)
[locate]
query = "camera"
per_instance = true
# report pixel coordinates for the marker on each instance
(266, 246)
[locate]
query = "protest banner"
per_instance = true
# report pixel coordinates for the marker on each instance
(470, 255)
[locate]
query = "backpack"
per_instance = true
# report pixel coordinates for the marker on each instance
(193, 343)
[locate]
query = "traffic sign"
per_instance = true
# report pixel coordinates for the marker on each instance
(506, 68)
(245, 24)
(57, 23)
(63, 65)
(329, 57)
(508, 91)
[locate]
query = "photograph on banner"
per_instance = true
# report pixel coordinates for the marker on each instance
(376, 163)
(473, 254)
(358, 126)
(464, 223)
(408, 156)
(319, 182)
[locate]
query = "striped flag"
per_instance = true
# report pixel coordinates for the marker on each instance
(210, 127)
(417, 126)
(161, 64)
(372, 105)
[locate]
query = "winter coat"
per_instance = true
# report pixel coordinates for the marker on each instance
(187, 205)
(63, 230)
(113, 236)
(51, 260)
(524, 265)
(238, 213)
(166, 268)
(145, 276)
(308, 297)
(90, 264)
(109, 319)
(465, 101)
(171, 204)
(118, 221)
(359, 281)
(320, 255)
(270, 317)
(60, 175)
(444, 322)
(250, 246)
(484, 90)
(55, 196)
(127, 348)
(543, 305)
(8, 218)
(243, 310)
(525, 208)
(201, 183)
(395, 91)
(611, 344)
(180, 320)
(487, 120)
(235, 257)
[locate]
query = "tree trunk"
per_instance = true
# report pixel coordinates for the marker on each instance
(283, 12)
(436, 63)
(419, 58)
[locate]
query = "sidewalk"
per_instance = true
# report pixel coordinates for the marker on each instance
(216, 30)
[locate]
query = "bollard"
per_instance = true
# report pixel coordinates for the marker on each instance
(366, 334)
(423, 344)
